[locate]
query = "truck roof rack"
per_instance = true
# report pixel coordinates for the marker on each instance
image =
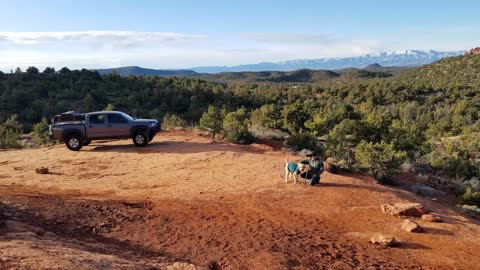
(70, 116)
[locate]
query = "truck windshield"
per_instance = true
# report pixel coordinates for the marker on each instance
(127, 116)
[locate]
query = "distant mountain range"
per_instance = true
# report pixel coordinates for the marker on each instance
(408, 58)
(134, 70)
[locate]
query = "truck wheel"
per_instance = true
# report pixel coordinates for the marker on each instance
(74, 142)
(140, 139)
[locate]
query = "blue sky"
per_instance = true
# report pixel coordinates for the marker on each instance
(187, 33)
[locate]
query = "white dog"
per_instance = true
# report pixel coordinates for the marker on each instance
(292, 170)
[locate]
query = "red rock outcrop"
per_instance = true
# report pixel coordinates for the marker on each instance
(473, 51)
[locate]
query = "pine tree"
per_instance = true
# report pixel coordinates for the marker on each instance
(109, 107)
(212, 121)
(235, 127)
(10, 131)
(381, 159)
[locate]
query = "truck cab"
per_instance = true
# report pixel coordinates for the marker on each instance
(108, 124)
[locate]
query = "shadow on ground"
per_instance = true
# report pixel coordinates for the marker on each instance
(175, 147)
(409, 245)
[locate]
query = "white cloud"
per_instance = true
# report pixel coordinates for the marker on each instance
(37, 37)
(96, 39)
(91, 49)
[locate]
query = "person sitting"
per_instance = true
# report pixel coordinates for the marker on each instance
(315, 169)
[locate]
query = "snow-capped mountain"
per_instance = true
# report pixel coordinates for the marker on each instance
(396, 58)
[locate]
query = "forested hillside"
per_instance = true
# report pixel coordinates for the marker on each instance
(450, 73)
(297, 76)
(134, 70)
(427, 116)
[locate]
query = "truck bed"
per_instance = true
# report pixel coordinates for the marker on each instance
(58, 130)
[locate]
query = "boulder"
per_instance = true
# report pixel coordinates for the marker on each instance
(404, 209)
(329, 167)
(41, 170)
(431, 218)
(183, 266)
(410, 226)
(339, 265)
(383, 239)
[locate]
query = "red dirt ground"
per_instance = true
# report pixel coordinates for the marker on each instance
(185, 202)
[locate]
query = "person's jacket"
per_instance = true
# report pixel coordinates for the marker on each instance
(316, 166)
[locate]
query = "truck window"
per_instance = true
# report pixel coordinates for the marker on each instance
(97, 119)
(116, 119)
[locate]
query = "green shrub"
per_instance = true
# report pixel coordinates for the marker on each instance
(268, 116)
(170, 121)
(471, 198)
(381, 160)
(212, 121)
(40, 132)
(109, 107)
(461, 168)
(343, 138)
(294, 117)
(10, 130)
(300, 141)
(472, 210)
(436, 159)
(267, 133)
(235, 127)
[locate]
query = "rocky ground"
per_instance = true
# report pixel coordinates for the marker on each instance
(185, 202)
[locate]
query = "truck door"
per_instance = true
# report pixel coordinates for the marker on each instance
(96, 126)
(117, 125)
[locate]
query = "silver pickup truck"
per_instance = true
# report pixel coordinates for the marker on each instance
(77, 130)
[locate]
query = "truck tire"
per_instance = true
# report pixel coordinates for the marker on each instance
(140, 139)
(74, 142)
